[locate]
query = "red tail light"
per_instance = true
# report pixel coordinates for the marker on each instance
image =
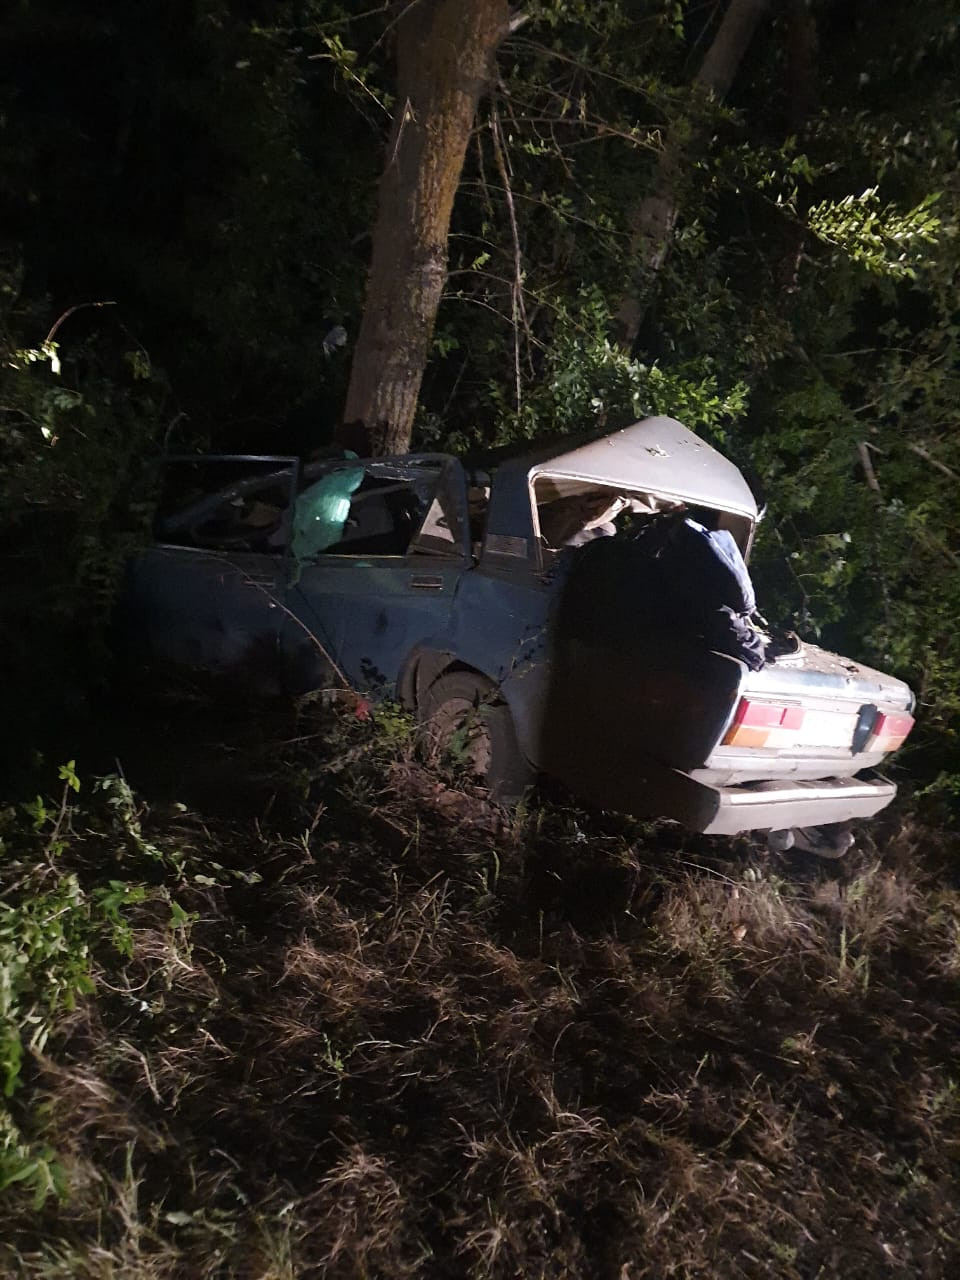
(756, 724)
(889, 732)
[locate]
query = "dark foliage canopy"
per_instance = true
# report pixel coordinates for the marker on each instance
(210, 168)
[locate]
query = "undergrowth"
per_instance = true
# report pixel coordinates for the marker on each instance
(354, 1022)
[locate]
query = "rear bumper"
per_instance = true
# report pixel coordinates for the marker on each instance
(777, 805)
(650, 789)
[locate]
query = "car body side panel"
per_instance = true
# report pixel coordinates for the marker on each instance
(206, 611)
(589, 708)
(367, 614)
(498, 627)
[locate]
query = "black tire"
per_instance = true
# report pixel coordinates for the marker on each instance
(461, 701)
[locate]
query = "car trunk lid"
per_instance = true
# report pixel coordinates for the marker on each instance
(812, 712)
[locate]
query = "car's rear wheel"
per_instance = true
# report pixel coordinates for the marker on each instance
(466, 720)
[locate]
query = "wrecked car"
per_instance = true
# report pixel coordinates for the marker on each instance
(586, 610)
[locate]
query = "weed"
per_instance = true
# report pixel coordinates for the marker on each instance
(44, 967)
(127, 814)
(49, 926)
(391, 1033)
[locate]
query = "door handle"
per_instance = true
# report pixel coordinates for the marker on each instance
(426, 582)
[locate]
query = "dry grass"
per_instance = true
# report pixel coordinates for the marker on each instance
(431, 1043)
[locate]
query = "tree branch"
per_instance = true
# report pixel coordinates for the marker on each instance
(863, 449)
(81, 306)
(518, 308)
(922, 452)
(517, 19)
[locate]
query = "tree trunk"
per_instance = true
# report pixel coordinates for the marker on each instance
(653, 219)
(444, 54)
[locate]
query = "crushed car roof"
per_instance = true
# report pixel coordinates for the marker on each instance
(659, 455)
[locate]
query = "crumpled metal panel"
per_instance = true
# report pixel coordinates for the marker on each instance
(659, 455)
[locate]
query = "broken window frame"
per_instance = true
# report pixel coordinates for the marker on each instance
(449, 481)
(447, 503)
(164, 526)
(740, 525)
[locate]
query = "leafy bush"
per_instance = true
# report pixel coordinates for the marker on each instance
(49, 925)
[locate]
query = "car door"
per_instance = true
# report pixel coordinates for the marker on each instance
(356, 609)
(209, 594)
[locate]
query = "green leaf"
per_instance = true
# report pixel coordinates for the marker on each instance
(68, 774)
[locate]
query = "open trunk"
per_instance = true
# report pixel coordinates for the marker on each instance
(644, 713)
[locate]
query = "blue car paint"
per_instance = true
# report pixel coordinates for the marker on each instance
(605, 692)
(370, 613)
(203, 611)
(233, 611)
(386, 625)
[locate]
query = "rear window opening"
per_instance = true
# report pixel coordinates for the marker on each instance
(571, 513)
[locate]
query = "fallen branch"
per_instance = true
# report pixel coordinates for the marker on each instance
(922, 452)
